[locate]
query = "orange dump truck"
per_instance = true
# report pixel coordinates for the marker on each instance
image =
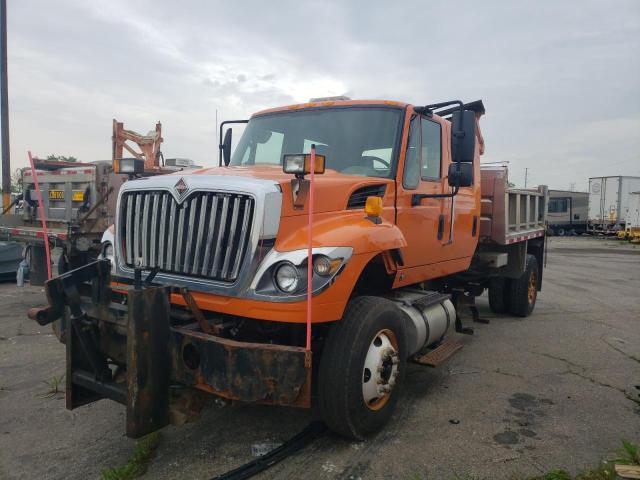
(206, 292)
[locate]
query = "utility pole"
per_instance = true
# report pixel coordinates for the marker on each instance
(4, 108)
(526, 175)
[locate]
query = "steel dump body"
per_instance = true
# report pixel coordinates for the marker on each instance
(79, 205)
(510, 215)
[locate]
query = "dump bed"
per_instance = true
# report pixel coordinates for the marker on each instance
(78, 199)
(510, 215)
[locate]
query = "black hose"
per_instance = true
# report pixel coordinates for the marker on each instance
(311, 432)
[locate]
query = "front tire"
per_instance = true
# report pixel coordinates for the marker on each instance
(524, 290)
(362, 367)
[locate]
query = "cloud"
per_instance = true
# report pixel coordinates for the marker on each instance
(560, 79)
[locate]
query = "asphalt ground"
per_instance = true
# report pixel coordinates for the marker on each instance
(559, 389)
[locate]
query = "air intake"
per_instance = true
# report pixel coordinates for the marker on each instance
(359, 197)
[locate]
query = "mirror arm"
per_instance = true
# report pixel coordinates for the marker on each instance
(416, 198)
(220, 145)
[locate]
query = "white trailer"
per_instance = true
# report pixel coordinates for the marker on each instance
(632, 227)
(609, 202)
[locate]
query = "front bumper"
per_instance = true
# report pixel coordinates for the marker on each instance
(123, 345)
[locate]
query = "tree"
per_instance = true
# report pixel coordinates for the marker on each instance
(61, 158)
(16, 181)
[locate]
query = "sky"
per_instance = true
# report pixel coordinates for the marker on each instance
(560, 80)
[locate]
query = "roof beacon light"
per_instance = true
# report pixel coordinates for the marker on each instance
(337, 98)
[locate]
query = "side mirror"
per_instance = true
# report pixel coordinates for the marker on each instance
(460, 174)
(226, 147)
(463, 136)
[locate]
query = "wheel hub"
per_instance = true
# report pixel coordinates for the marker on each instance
(532, 288)
(380, 369)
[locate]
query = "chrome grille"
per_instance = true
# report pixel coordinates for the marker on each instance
(206, 235)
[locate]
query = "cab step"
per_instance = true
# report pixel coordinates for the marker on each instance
(439, 354)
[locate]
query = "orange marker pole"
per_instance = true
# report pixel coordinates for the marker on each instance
(310, 248)
(42, 217)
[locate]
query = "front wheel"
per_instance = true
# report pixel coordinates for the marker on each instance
(362, 367)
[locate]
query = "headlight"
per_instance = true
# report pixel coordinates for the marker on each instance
(324, 266)
(287, 278)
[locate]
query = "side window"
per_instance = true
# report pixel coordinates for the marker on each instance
(270, 152)
(411, 175)
(558, 205)
(431, 150)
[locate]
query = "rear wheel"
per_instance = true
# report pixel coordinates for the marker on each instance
(362, 367)
(499, 291)
(524, 290)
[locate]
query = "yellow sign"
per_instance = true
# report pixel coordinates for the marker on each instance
(56, 194)
(77, 196)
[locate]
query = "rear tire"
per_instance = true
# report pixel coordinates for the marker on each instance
(368, 345)
(499, 295)
(524, 290)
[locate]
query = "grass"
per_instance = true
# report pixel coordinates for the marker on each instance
(54, 387)
(138, 462)
(629, 454)
(603, 472)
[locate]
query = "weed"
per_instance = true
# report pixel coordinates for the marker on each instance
(54, 387)
(604, 472)
(629, 454)
(138, 462)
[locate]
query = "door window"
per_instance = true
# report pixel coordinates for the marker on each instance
(431, 150)
(411, 175)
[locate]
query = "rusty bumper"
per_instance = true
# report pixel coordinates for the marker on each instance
(123, 345)
(250, 372)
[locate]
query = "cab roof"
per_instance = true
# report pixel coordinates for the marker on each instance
(332, 103)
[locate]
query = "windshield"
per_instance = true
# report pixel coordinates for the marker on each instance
(355, 140)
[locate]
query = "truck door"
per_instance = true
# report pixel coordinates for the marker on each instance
(435, 247)
(424, 224)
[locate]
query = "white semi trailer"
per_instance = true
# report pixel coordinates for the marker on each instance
(609, 202)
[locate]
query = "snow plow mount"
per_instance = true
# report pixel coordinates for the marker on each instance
(122, 344)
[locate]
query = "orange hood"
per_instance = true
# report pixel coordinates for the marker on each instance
(332, 189)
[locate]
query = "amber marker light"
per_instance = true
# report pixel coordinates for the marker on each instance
(373, 207)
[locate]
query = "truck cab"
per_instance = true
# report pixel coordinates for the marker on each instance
(214, 243)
